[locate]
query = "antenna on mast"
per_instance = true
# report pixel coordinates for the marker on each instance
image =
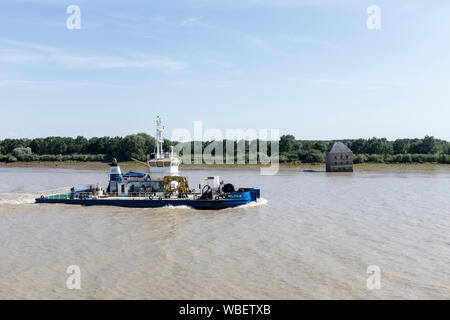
(159, 138)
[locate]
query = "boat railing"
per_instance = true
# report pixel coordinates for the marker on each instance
(58, 193)
(62, 192)
(67, 193)
(129, 196)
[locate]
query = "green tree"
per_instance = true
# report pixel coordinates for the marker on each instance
(378, 146)
(287, 143)
(429, 145)
(425, 146)
(320, 146)
(81, 144)
(359, 146)
(401, 146)
(21, 151)
(134, 146)
(38, 146)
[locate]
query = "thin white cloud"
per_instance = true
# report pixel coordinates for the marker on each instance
(14, 56)
(268, 43)
(349, 83)
(262, 44)
(189, 21)
(254, 40)
(207, 83)
(8, 83)
(325, 81)
(219, 63)
(306, 40)
(28, 52)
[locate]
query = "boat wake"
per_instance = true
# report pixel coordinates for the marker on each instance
(17, 198)
(258, 203)
(175, 208)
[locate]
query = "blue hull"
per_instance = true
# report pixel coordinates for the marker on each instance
(234, 200)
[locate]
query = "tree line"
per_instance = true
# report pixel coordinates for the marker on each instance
(377, 150)
(291, 150)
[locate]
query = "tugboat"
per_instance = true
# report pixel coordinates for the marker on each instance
(159, 187)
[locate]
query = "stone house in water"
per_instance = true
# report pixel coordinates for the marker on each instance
(339, 158)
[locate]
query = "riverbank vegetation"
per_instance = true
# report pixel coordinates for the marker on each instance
(292, 151)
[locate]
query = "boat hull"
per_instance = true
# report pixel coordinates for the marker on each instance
(196, 204)
(235, 201)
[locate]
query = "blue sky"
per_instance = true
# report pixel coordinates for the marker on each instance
(306, 67)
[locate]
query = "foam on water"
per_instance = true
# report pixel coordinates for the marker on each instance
(258, 203)
(17, 198)
(175, 208)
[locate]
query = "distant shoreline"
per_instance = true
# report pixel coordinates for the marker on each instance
(132, 166)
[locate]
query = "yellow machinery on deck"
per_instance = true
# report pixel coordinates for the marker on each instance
(181, 188)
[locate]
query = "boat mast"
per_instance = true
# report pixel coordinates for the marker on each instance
(159, 138)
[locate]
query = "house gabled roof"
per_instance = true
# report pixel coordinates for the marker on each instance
(338, 147)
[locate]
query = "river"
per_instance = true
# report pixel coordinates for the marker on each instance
(312, 236)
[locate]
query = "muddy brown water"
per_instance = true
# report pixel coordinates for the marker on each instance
(313, 235)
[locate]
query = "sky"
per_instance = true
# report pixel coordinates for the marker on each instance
(311, 68)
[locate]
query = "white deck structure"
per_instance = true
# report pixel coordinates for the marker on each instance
(162, 166)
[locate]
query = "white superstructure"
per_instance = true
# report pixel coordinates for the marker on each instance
(162, 166)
